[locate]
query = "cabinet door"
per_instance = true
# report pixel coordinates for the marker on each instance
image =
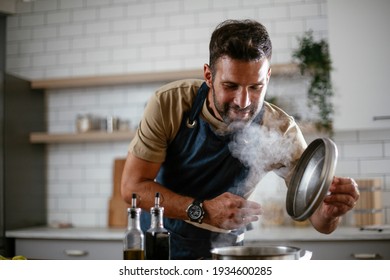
(24, 163)
(358, 43)
(51, 249)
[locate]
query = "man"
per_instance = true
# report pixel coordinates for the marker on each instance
(185, 148)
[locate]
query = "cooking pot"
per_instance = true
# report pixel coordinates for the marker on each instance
(260, 253)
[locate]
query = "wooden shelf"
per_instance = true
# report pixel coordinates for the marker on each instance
(138, 78)
(98, 136)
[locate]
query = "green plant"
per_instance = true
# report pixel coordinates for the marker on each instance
(314, 59)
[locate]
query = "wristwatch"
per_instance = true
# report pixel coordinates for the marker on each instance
(195, 211)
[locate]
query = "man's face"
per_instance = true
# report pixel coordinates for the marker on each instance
(238, 88)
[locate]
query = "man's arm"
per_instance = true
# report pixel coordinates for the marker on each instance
(226, 211)
(138, 177)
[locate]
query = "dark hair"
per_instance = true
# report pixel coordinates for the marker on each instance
(239, 39)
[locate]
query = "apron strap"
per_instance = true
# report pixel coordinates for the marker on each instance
(197, 106)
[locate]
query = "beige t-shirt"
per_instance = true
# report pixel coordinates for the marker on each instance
(163, 116)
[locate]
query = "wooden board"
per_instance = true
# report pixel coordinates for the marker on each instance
(117, 216)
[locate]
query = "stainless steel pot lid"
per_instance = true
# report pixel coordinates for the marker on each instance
(311, 179)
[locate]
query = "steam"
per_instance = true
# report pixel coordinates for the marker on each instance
(262, 149)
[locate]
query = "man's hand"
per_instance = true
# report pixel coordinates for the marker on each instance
(230, 211)
(343, 195)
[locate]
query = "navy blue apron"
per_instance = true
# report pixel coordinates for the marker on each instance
(200, 165)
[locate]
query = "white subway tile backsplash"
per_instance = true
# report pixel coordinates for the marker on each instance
(57, 45)
(347, 167)
(140, 9)
(58, 17)
(305, 10)
(182, 20)
(170, 7)
(84, 189)
(100, 27)
(125, 53)
(363, 150)
(153, 23)
(97, 56)
(95, 203)
(319, 23)
(57, 72)
(12, 22)
(44, 32)
(111, 40)
(379, 166)
(32, 20)
(85, 15)
(19, 35)
(32, 47)
(387, 150)
(70, 4)
(242, 14)
(168, 64)
(12, 49)
(84, 43)
(85, 219)
(19, 62)
(111, 69)
(221, 4)
(44, 60)
(124, 24)
(71, 204)
(58, 190)
(374, 135)
(83, 70)
(70, 30)
(197, 35)
(211, 17)
(70, 58)
(195, 7)
(296, 26)
(70, 174)
(181, 49)
(108, 12)
(273, 12)
(98, 2)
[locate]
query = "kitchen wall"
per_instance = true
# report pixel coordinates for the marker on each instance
(72, 38)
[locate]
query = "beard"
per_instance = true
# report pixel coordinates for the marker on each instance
(232, 113)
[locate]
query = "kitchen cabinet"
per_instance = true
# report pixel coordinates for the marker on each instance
(58, 249)
(22, 165)
(69, 243)
(359, 51)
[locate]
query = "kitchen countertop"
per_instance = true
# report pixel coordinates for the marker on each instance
(278, 233)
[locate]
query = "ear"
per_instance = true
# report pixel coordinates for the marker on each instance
(268, 74)
(208, 77)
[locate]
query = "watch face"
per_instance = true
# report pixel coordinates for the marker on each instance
(195, 212)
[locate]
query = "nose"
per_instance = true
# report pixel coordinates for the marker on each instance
(242, 99)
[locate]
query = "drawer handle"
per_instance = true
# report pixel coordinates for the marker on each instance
(366, 256)
(76, 253)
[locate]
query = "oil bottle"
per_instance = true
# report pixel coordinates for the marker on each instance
(157, 237)
(133, 243)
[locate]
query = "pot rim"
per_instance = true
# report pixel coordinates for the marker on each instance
(237, 251)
